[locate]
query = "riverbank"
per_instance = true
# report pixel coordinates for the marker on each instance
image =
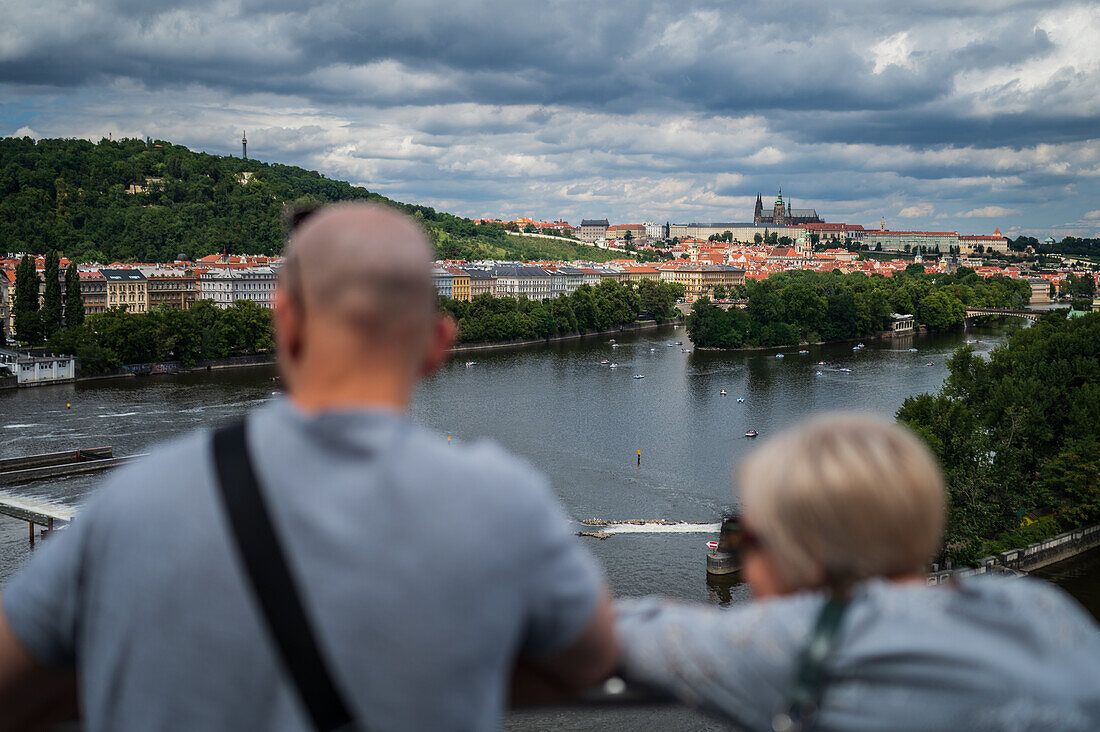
(269, 359)
(1026, 559)
(636, 326)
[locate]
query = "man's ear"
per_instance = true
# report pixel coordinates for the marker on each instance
(288, 323)
(444, 332)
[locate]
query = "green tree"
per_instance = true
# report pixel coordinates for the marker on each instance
(74, 300)
(25, 311)
(51, 305)
(719, 292)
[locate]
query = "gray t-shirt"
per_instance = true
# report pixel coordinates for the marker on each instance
(426, 567)
(991, 654)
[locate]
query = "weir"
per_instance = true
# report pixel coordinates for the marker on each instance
(30, 468)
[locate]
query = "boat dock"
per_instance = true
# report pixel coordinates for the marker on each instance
(30, 468)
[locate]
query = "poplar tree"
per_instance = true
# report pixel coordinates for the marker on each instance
(74, 301)
(28, 324)
(51, 299)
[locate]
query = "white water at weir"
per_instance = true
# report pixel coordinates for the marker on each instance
(651, 528)
(48, 509)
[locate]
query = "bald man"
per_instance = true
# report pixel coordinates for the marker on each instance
(433, 575)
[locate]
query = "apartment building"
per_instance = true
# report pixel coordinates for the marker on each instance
(443, 281)
(518, 280)
(126, 287)
(93, 291)
(175, 288)
(482, 282)
(700, 279)
(226, 286)
(460, 284)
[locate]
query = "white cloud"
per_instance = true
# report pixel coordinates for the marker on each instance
(921, 210)
(25, 131)
(988, 212)
(1093, 215)
(897, 50)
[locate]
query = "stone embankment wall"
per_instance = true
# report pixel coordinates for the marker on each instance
(1029, 558)
(493, 345)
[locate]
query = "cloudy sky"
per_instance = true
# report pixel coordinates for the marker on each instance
(946, 114)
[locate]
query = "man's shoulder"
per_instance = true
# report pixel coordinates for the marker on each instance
(169, 469)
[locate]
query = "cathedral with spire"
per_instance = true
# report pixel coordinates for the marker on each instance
(783, 215)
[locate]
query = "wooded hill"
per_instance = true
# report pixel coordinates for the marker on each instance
(149, 201)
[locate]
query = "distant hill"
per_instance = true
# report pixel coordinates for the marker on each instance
(150, 200)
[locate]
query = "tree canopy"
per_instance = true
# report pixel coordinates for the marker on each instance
(150, 201)
(1018, 436)
(792, 307)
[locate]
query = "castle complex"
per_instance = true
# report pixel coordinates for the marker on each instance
(782, 215)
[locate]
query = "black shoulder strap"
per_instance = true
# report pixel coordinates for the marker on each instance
(809, 683)
(266, 566)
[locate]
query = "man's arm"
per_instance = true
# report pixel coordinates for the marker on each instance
(32, 696)
(587, 661)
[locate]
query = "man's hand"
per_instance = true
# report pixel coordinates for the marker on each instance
(32, 696)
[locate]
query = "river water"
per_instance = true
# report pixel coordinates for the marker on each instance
(579, 421)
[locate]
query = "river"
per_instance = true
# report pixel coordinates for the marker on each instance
(579, 421)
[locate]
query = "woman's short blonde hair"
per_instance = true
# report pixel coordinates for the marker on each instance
(844, 497)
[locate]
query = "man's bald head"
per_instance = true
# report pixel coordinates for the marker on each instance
(365, 266)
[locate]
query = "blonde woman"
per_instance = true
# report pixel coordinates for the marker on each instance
(840, 517)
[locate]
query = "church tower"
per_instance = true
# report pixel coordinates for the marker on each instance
(780, 211)
(758, 213)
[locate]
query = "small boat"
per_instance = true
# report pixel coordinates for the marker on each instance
(847, 371)
(820, 363)
(912, 350)
(860, 345)
(802, 353)
(471, 363)
(855, 348)
(740, 399)
(817, 373)
(614, 345)
(611, 341)
(679, 343)
(639, 376)
(652, 350)
(779, 355)
(614, 365)
(604, 362)
(930, 363)
(751, 433)
(684, 350)
(723, 392)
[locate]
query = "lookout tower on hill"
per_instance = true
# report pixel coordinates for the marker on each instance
(244, 146)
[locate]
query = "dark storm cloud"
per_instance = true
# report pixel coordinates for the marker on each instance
(729, 98)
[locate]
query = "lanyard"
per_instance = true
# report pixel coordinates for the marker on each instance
(809, 681)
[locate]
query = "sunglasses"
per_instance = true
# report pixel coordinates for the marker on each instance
(736, 539)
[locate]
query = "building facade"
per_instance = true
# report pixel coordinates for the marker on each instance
(482, 282)
(699, 279)
(174, 288)
(895, 241)
(225, 286)
(518, 280)
(460, 284)
(593, 229)
(93, 291)
(443, 281)
(7, 286)
(126, 287)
